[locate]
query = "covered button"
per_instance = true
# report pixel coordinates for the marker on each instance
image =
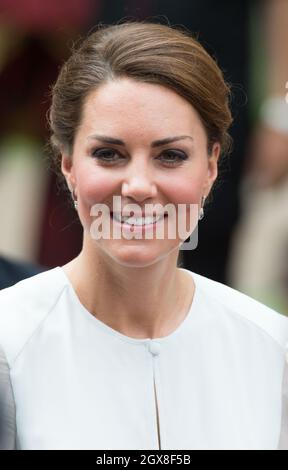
(154, 348)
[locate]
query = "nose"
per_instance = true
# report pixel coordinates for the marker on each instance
(138, 184)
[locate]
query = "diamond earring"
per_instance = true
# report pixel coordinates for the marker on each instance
(75, 202)
(201, 212)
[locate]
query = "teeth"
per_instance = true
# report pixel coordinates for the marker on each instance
(136, 220)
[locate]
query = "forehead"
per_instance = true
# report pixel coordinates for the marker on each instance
(127, 104)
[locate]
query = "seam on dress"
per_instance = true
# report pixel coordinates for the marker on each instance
(37, 328)
(247, 320)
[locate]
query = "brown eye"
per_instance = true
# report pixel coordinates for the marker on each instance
(105, 155)
(109, 156)
(173, 157)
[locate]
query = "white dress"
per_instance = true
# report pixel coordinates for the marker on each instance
(79, 384)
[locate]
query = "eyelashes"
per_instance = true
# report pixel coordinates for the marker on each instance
(170, 157)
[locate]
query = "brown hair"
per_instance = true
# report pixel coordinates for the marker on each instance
(146, 52)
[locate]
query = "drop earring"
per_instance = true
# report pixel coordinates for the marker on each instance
(74, 200)
(71, 189)
(201, 212)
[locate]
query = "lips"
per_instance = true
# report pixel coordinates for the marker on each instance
(139, 214)
(137, 221)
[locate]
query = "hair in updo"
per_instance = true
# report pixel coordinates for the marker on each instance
(146, 52)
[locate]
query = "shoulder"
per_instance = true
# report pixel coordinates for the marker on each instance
(244, 308)
(24, 306)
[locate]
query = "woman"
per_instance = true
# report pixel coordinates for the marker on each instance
(120, 348)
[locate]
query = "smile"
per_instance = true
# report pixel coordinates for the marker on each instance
(138, 221)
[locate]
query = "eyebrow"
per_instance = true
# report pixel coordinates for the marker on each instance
(156, 143)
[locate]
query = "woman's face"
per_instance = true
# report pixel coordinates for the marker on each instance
(140, 170)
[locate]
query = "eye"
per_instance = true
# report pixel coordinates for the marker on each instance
(106, 156)
(173, 157)
(109, 156)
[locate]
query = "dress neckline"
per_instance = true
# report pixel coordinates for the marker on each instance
(129, 339)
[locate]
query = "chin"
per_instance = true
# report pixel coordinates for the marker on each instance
(136, 260)
(139, 257)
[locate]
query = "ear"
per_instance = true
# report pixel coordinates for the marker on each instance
(68, 170)
(212, 169)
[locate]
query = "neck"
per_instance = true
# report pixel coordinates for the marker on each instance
(140, 302)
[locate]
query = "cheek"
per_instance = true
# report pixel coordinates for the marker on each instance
(186, 190)
(97, 185)
(94, 186)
